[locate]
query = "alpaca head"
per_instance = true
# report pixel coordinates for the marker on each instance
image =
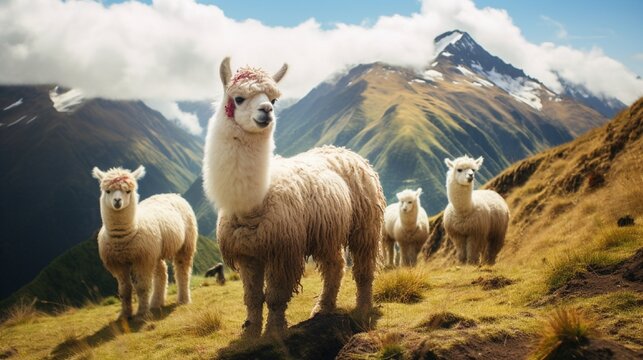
(409, 200)
(250, 95)
(118, 186)
(463, 169)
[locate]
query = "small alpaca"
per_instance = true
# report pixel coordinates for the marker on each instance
(135, 239)
(275, 212)
(217, 272)
(476, 221)
(406, 223)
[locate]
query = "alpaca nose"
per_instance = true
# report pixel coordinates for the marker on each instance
(265, 107)
(117, 203)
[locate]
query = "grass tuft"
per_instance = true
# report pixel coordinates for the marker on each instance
(21, 313)
(390, 347)
(572, 264)
(403, 285)
(204, 323)
(565, 331)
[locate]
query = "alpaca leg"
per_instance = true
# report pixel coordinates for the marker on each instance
(496, 241)
(389, 254)
(398, 254)
(125, 293)
(405, 250)
(278, 294)
(474, 250)
(142, 279)
(332, 272)
(460, 248)
(252, 273)
(160, 285)
(182, 273)
(363, 270)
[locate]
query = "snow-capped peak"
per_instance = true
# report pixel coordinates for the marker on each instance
(444, 40)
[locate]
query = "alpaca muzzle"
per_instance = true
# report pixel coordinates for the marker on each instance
(117, 203)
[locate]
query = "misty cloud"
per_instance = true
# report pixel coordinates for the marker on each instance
(170, 50)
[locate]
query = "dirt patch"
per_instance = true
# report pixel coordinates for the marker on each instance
(8, 353)
(491, 283)
(321, 337)
(627, 275)
(446, 320)
(596, 349)
(500, 347)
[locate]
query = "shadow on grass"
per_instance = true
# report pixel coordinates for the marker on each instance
(107, 333)
(320, 337)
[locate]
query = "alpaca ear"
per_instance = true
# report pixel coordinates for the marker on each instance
(280, 74)
(449, 163)
(399, 196)
(479, 161)
(225, 72)
(418, 192)
(97, 174)
(139, 173)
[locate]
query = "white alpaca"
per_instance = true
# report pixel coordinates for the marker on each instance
(275, 212)
(135, 239)
(476, 221)
(406, 223)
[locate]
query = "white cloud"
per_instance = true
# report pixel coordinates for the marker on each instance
(638, 56)
(171, 111)
(170, 50)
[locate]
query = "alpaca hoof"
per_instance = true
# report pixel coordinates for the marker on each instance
(250, 330)
(320, 309)
(184, 301)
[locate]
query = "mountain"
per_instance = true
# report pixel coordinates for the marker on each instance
(50, 139)
(565, 197)
(607, 106)
(466, 101)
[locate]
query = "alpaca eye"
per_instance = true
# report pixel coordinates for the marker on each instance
(239, 100)
(459, 170)
(273, 101)
(129, 191)
(108, 191)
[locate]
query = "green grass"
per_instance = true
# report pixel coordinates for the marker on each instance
(610, 246)
(400, 285)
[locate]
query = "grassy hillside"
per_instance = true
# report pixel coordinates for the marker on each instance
(454, 312)
(78, 277)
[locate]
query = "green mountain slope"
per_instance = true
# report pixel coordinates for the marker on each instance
(406, 123)
(49, 199)
(78, 276)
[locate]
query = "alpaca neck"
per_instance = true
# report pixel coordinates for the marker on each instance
(460, 196)
(121, 223)
(237, 173)
(409, 219)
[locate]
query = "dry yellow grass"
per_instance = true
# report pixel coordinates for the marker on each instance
(565, 331)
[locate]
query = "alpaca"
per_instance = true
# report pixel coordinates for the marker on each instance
(406, 223)
(216, 271)
(275, 212)
(476, 221)
(135, 240)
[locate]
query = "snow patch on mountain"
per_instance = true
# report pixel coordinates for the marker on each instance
(17, 103)
(446, 41)
(522, 89)
(433, 75)
(17, 121)
(67, 101)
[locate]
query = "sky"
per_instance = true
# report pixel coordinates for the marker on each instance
(162, 51)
